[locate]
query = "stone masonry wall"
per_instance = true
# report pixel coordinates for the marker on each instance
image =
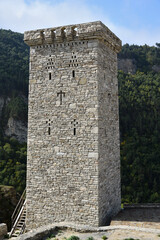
(72, 168)
(108, 135)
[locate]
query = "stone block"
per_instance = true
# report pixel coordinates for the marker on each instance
(3, 230)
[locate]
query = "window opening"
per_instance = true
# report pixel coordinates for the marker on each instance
(61, 94)
(49, 126)
(74, 123)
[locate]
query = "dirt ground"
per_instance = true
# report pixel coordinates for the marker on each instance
(121, 235)
(110, 235)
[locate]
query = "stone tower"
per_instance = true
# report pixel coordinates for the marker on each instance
(73, 168)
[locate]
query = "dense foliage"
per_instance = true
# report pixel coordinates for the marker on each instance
(14, 59)
(8, 201)
(16, 108)
(139, 97)
(13, 163)
(145, 56)
(140, 139)
(14, 63)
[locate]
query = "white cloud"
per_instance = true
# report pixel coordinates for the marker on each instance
(19, 16)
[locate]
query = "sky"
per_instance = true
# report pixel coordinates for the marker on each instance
(133, 21)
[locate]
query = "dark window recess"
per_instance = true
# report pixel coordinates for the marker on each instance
(49, 124)
(74, 123)
(73, 73)
(49, 131)
(49, 76)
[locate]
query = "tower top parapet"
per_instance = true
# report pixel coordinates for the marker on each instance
(85, 31)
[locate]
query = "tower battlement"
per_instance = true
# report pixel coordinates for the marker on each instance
(92, 30)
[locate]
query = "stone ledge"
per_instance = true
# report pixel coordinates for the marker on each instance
(85, 31)
(3, 230)
(141, 206)
(45, 231)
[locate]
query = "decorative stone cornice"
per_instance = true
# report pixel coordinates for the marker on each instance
(85, 31)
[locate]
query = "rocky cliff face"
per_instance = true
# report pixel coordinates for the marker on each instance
(127, 65)
(156, 68)
(16, 128)
(1, 105)
(13, 126)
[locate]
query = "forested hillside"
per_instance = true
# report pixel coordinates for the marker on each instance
(139, 106)
(14, 64)
(139, 98)
(13, 107)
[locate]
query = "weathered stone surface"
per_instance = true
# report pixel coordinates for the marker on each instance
(92, 30)
(156, 68)
(73, 167)
(82, 81)
(127, 65)
(17, 129)
(45, 231)
(1, 105)
(3, 230)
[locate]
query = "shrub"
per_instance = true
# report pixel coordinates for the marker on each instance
(90, 238)
(104, 237)
(73, 238)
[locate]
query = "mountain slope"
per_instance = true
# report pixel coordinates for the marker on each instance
(14, 63)
(139, 98)
(14, 60)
